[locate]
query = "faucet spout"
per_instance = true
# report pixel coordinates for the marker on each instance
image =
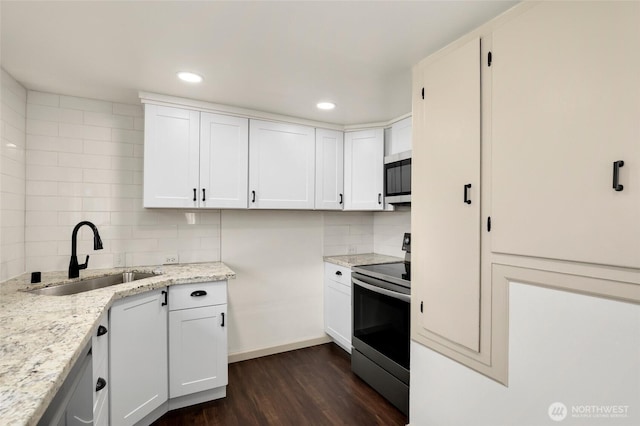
(74, 267)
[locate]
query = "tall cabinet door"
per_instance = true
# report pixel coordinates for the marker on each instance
(363, 170)
(224, 161)
(171, 156)
(329, 169)
(566, 107)
(446, 202)
(281, 166)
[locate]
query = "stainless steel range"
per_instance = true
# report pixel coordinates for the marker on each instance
(381, 312)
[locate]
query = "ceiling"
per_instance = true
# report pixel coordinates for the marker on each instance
(279, 57)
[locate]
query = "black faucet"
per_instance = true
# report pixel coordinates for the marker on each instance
(74, 267)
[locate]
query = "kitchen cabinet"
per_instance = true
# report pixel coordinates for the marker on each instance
(400, 137)
(281, 165)
(329, 170)
(194, 159)
(138, 356)
(197, 338)
(100, 370)
(363, 170)
(566, 102)
(337, 304)
(446, 205)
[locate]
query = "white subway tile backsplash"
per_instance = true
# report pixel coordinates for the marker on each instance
(53, 144)
(38, 187)
(155, 231)
(127, 136)
(84, 104)
(108, 149)
(42, 158)
(53, 173)
(108, 120)
(43, 128)
(107, 176)
(42, 112)
(41, 98)
(41, 218)
(71, 116)
(127, 109)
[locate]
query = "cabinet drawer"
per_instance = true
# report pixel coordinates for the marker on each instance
(100, 344)
(337, 273)
(100, 371)
(197, 295)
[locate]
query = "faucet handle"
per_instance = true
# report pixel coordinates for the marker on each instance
(85, 264)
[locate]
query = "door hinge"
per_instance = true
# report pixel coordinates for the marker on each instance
(423, 93)
(489, 58)
(489, 224)
(421, 306)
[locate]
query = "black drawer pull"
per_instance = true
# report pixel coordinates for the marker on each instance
(339, 273)
(203, 197)
(222, 314)
(340, 198)
(100, 384)
(164, 293)
(198, 293)
(253, 196)
(467, 187)
(379, 198)
(616, 175)
(102, 330)
(194, 194)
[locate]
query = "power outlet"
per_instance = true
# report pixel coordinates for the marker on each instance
(353, 250)
(168, 260)
(119, 260)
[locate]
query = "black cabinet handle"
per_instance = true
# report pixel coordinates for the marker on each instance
(253, 196)
(102, 330)
(194, 194)
(100, 384)
(203, 197)
(340, 198)
(222, 314)
(467, 187)
(164, 293)
(339, 273)
(198, 293)
(379, 198)
(616, 175)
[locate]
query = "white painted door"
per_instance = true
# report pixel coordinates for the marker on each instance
(446, 198)
(566, 106)
(197, 349)
(138, 356)
(171, 156)
(329, 169)
(281, 166)
(363, 170)
(224, 161)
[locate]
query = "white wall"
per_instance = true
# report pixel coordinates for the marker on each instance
(563, 347)
(12, 176)
(388, 230)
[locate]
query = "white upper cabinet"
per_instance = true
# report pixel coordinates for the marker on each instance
(281, 166)
(171, 156)
(329, 169)
(566, 107)
(224, 161)
(363, 170)
(400, 136)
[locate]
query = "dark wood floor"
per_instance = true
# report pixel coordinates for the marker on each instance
(312, 386)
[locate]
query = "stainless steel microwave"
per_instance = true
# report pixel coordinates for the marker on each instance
(397, 178)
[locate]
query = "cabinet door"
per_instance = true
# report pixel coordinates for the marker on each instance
(400, 136)
(197, 350)
(566, 105)
(171, 157)
(446, 225)
(337, 313)
(281, 166)
(363, 170)
(329, 169)
(224, 161)
(138, 356)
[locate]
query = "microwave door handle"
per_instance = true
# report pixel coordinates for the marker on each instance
(383, 291)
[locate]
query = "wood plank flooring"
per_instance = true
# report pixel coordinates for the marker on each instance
(311, 386)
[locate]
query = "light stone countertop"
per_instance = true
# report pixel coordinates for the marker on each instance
(42, 337)
(351, 260)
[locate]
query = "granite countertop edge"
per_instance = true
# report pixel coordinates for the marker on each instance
(42, 337)
(351, 260)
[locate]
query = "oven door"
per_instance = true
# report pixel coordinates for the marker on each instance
(381, 313)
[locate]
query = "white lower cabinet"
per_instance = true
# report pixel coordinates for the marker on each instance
(138, 356)
(100, 385)
(337, 304)
(197, 338)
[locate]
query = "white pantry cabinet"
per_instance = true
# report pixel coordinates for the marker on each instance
(197, 338)
(566, 106)
(281, 165)
(337, 304)
(363, 170)
(329, 169)
(194, 159)
(138, 356)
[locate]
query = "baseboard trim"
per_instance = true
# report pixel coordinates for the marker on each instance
(257, 353)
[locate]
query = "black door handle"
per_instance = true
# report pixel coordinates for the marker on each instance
(339, 273)
(253, 196)
(203, 197)
(194, 194)
(379, 198)
(466, 193)
(222, 314)
(100, 384)
(164, 293)
(616, 175)
(102, 330)
(340, 198)
(198, 293)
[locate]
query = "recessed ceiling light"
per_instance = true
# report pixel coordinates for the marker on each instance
(189, 77)
(326, 105)
(12, 145)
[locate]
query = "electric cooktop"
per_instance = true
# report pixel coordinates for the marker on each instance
(397, 272)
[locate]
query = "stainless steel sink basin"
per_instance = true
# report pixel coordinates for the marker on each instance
(91, 284)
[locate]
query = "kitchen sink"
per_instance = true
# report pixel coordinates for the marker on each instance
(89, 284)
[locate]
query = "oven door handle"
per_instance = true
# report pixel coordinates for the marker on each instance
(383, 291)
